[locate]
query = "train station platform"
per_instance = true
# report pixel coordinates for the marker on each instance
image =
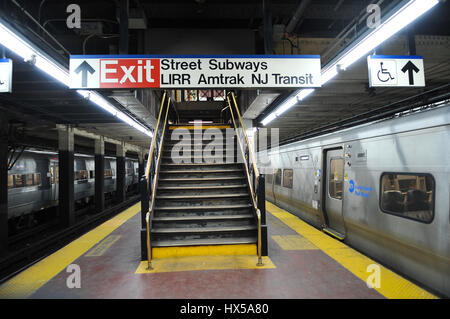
(303, 262)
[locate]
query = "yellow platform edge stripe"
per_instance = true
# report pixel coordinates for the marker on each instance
(28, 281)
(392, 285)
(202, 127)
(211, 250)
(199, 263)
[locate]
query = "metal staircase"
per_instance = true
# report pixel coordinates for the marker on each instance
(202, 203)
(200, 193)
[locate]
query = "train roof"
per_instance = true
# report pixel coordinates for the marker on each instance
(428, 118)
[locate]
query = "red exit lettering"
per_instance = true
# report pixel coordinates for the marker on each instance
(129, 73)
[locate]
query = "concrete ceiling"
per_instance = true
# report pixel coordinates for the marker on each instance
(37, 99)
(348, 94)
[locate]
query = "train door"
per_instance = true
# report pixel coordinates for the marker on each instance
(334, 192)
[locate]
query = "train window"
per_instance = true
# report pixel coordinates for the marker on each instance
(408, 195)
(18, 181)
(80, 175)
(52, 176)
(278, 177)
(37, 179)
(336, 178)
(269, 178)
(29, 179)
(108, 173)
(288, 175)
(10, 181)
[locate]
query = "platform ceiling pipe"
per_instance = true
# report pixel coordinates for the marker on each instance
(297, 18)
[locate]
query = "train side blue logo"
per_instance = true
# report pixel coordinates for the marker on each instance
(363, 191)
(352, 186)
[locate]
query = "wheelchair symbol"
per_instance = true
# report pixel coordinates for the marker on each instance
(384, 75)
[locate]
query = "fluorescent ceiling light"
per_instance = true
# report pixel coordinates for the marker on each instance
(304, 93)
(200, 122)
(300, 96)
(400, 19)
(286, 105)
(22, 48)
(268, 119)
(104, 104)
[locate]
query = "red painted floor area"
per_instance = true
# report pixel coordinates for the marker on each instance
(299, 274)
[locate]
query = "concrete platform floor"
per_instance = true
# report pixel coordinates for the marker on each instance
(303, 263)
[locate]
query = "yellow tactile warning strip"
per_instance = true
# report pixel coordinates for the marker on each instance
(202, 127)
(293, 242)
(213, 250)
(27, 282)
(103, 246)
(193, 263)
(391, 284)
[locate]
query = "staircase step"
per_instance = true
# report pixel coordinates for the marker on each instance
(205, 171)
(220, 207)
(192, 143)
(195, 164)
(199, 179)
(192, 197)
(209, 187)
(192, 127)
(204, 242)
(202, 218)
(176, 230)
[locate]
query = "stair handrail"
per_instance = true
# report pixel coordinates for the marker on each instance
(155, 158)
(255, 169)
(152, 145)
(252, 158)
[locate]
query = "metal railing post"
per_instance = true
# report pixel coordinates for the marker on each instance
(258, 215)
(144, 199)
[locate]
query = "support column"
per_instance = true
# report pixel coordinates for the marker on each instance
(261, 193)
(145, 196)
(66, 175)
(267, 27)
(141, 167)
(124, 13)
(3, 186)
(411, 41)
(120, 174)
(99, 174)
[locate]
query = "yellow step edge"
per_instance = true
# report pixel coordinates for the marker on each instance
(212, 250)
(203, 127)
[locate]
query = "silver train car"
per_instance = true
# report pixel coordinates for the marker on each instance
(33, 181)
(383, 188)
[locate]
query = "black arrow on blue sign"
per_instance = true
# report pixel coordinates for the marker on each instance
(410, 67)
(84, 68)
